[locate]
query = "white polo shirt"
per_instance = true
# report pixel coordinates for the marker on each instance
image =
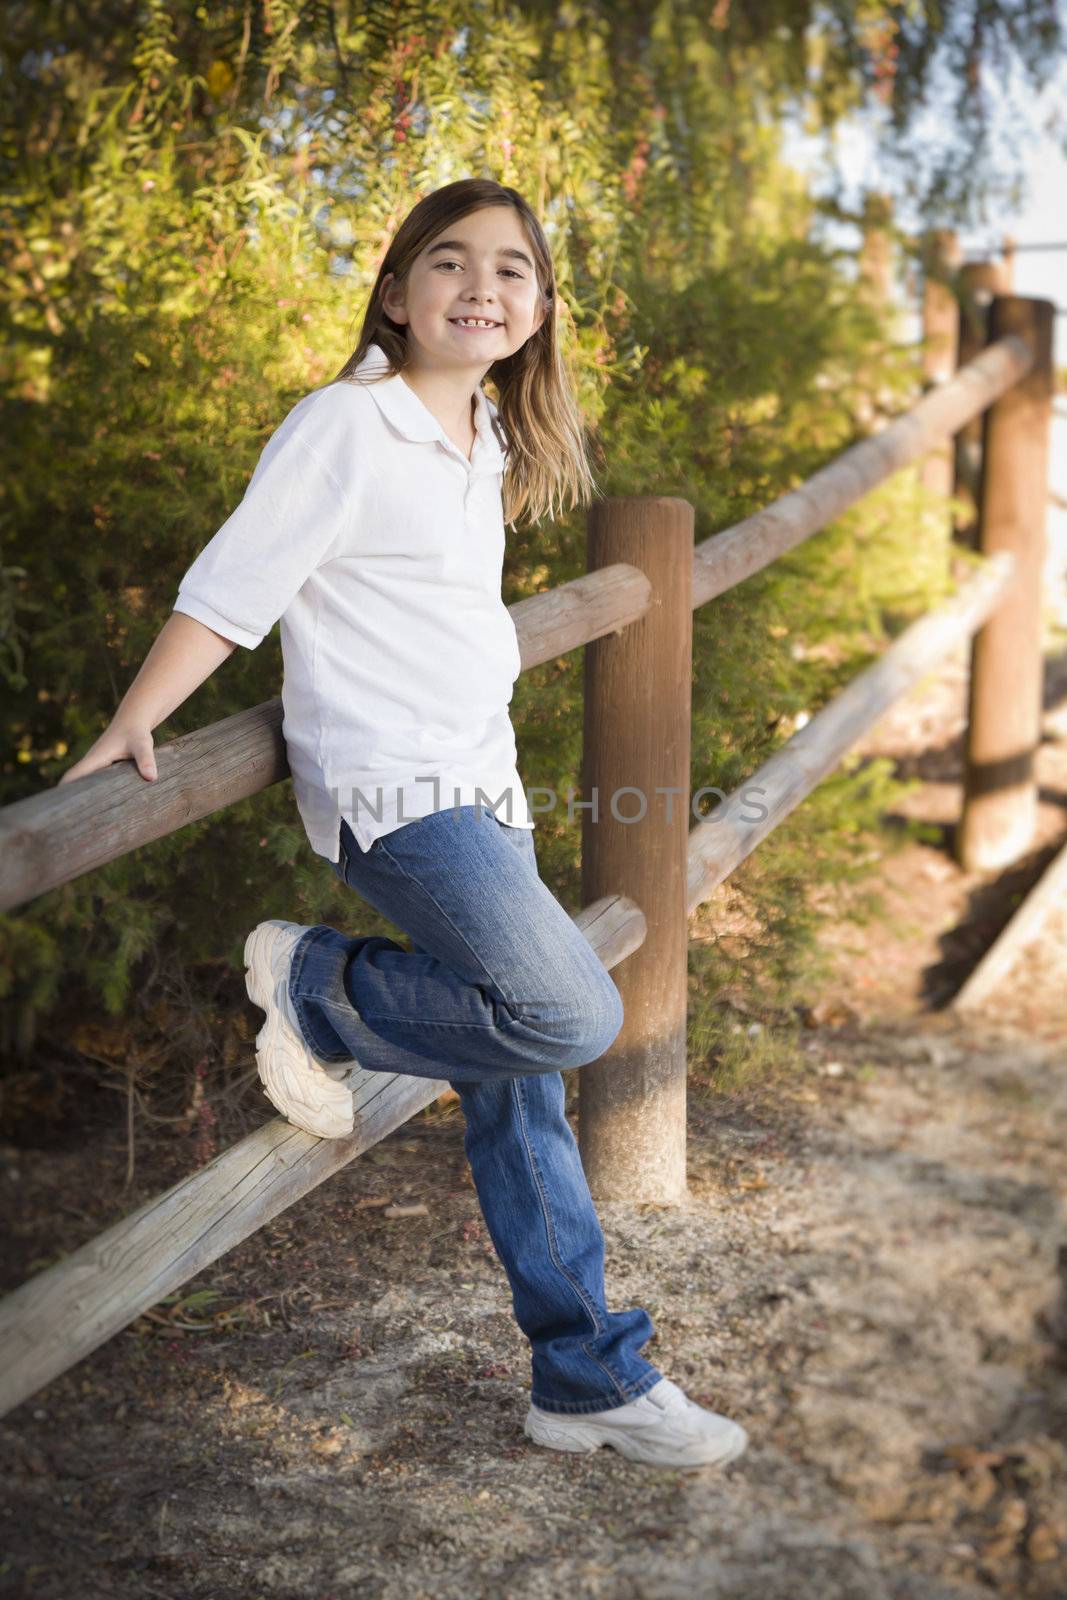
(380, 548)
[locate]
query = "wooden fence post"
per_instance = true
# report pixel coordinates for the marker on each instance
(940, 335)
(979, 281)
(875, 269)
(635, 769)
(1007, 662)
(876, 249)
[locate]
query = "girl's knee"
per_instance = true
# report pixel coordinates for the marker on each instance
(613, 1013)
(580, 1024)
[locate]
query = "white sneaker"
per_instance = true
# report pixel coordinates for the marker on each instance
(662, 1428)
(294, 1080)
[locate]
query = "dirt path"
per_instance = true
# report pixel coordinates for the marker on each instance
(870, 1272)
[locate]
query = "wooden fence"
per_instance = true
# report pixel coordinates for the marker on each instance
(641, 879)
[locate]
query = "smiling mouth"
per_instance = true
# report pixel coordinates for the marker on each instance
(474, 327)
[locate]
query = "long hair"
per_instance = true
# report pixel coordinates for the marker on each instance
(546, 455)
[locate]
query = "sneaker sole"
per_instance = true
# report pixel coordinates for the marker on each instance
(584, 1437)
(276, 1039)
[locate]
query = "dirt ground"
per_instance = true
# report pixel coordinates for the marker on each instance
(870, 1272)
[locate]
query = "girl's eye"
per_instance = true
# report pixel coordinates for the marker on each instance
(514, 274)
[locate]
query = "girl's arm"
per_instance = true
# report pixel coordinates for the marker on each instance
(293, 510)
(185, 653)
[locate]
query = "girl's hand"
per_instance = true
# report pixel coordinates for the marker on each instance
(115, 744)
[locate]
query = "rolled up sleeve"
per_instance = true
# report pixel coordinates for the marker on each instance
(293, 511)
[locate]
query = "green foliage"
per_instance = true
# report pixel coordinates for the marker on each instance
(196, 199)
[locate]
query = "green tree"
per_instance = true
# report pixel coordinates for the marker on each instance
(195, 198)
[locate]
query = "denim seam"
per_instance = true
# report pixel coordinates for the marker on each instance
(296, 967)
(590, 1308)
(299, 955)
(328, 1003)
(632, 1391)
(320, 1055)
(421, 888)
(341, 1008)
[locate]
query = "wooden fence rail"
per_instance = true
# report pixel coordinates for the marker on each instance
(107, 814)
(68, 1310)
(645, 603)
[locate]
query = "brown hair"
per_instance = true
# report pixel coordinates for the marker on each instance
(546, 455)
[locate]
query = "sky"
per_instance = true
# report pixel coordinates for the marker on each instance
(1039, 218)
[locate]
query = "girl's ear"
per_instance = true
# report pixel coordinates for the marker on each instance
(389, 289)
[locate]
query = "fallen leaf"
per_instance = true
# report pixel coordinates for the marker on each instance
(1042, 1545)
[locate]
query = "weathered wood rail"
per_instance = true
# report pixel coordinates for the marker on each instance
(640, 879)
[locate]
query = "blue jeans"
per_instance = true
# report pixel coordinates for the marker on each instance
(501, 992)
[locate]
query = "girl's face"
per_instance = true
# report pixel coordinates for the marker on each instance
(479, 267)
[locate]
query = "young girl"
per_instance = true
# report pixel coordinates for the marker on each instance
(373, 528)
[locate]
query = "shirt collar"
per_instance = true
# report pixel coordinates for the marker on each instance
(401, 406)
